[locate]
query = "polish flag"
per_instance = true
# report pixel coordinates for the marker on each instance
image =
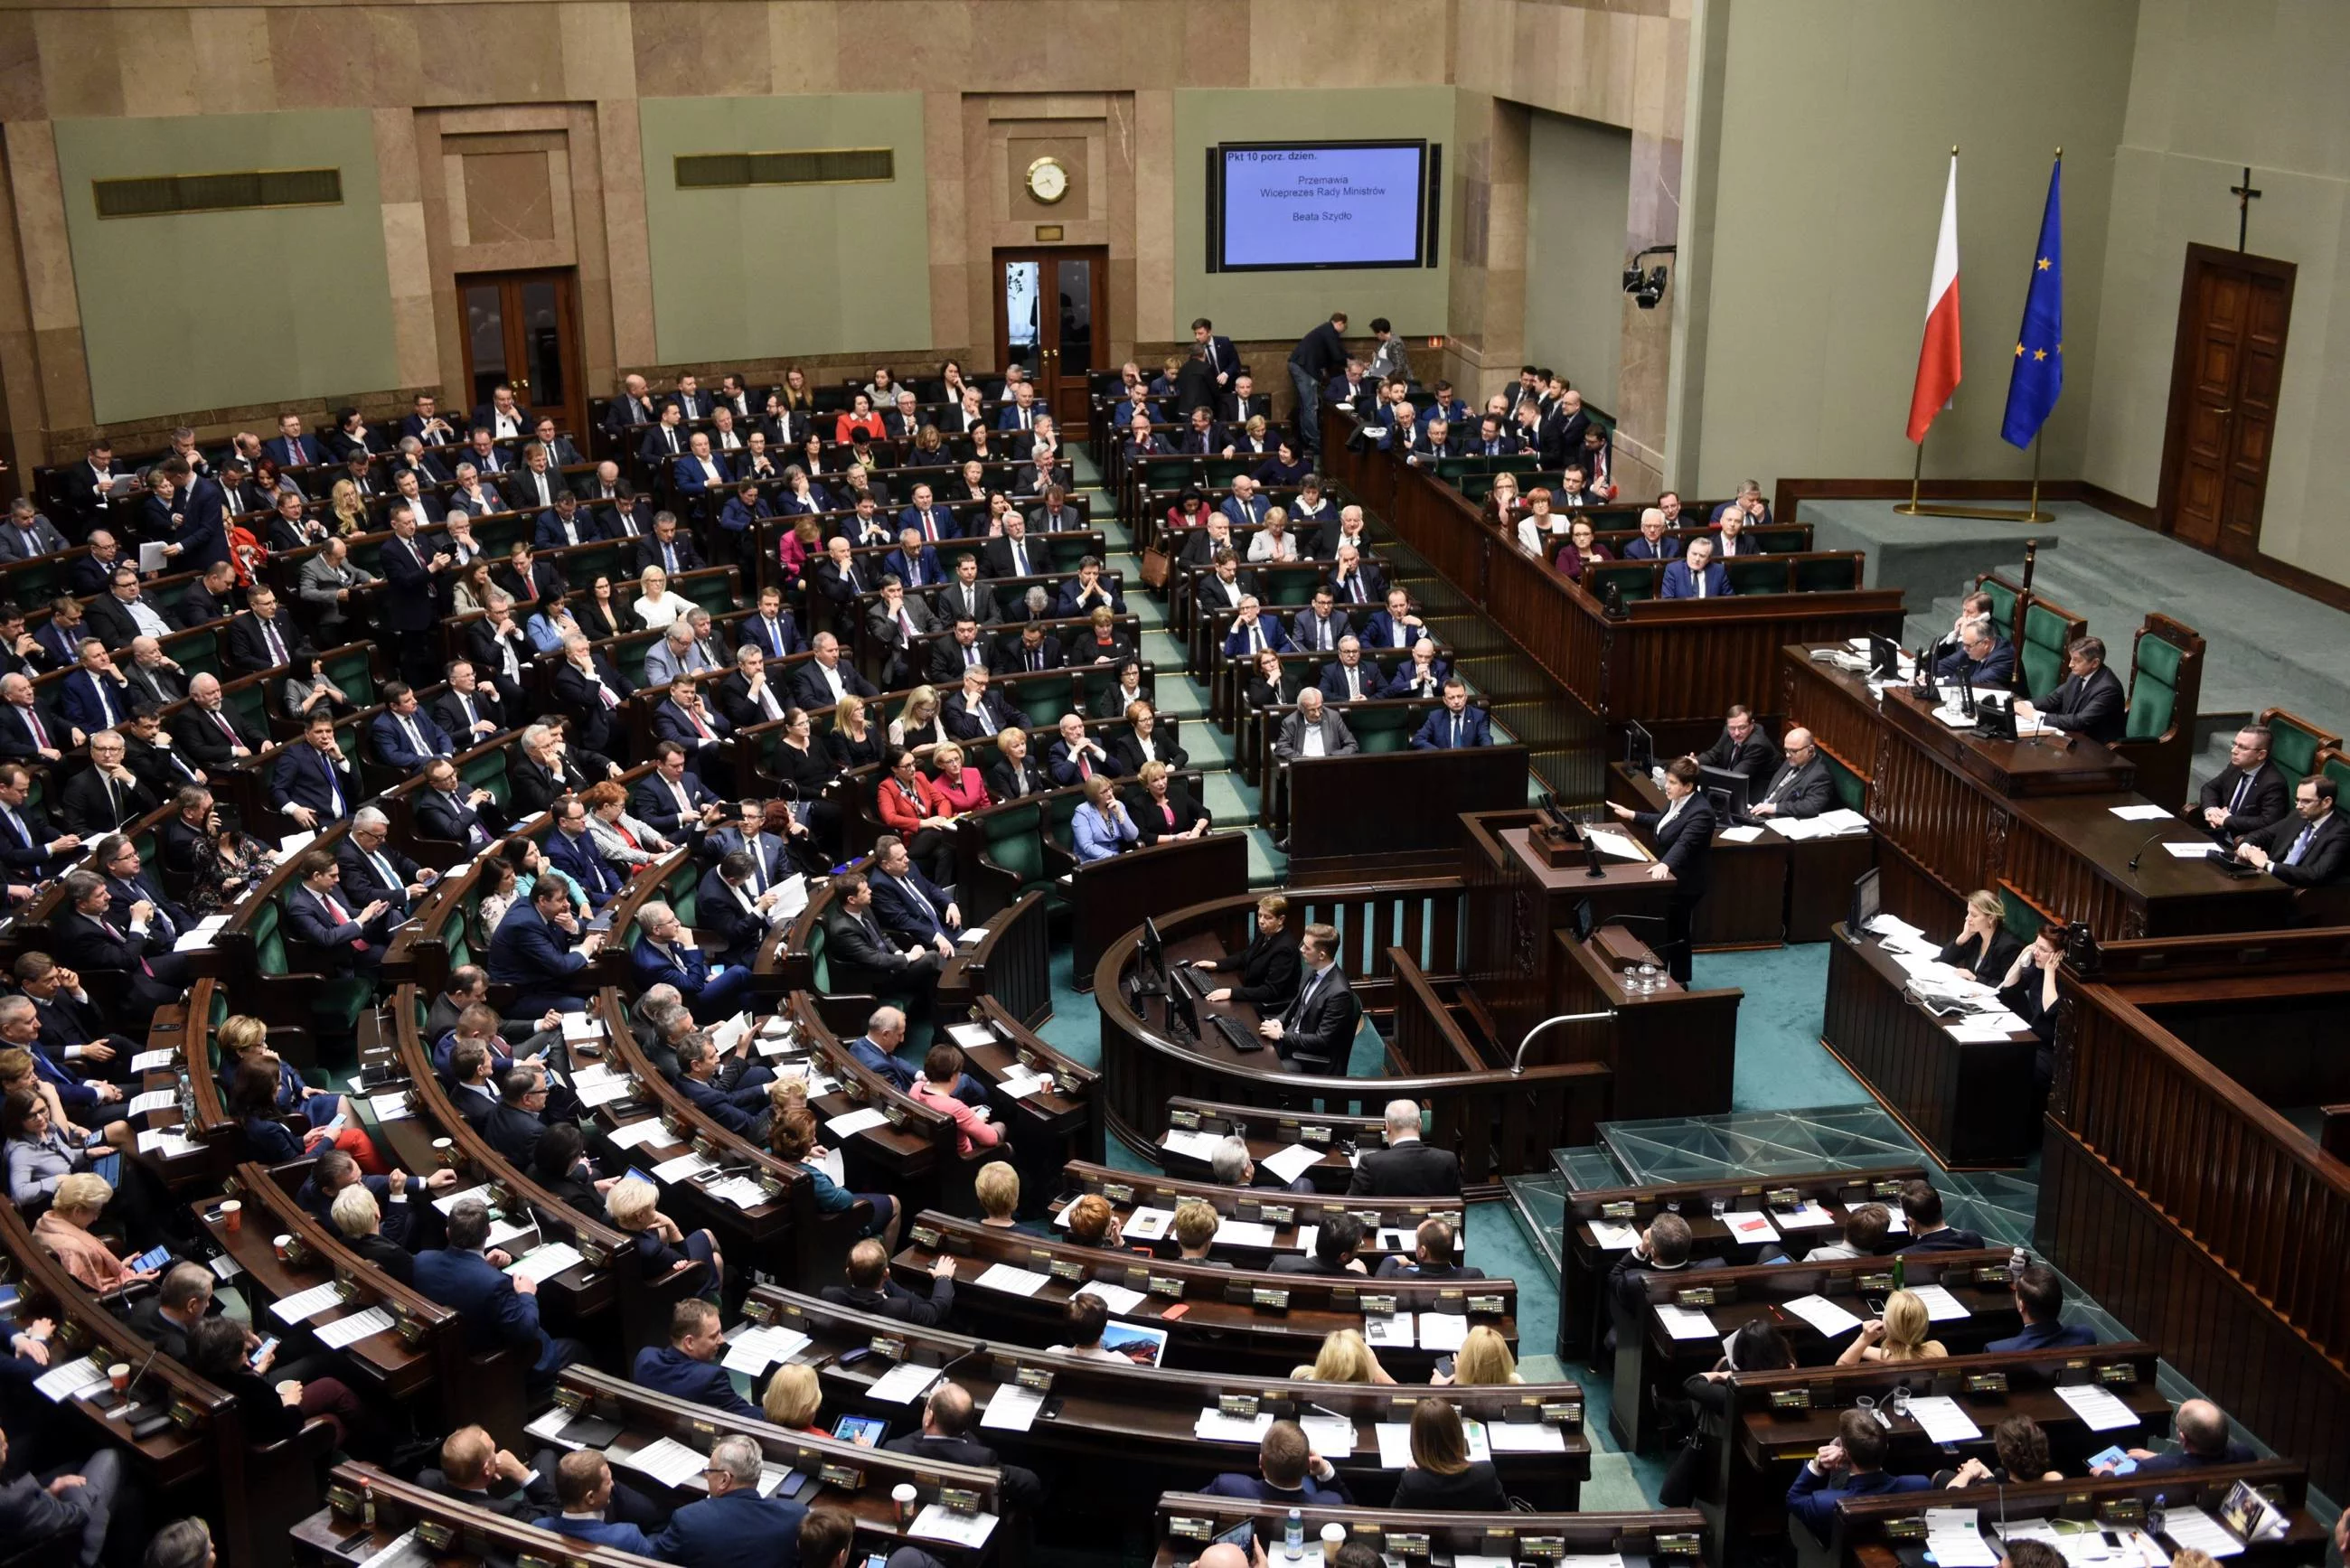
(1937, 355)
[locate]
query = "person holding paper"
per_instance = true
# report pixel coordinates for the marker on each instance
(1442, 1475)
(794, 1141)
(1233, 1167)
(871, 1290)
(1289, 1472)
(687, 1366)
(1984, 948)
(1901, 1335)
(467, 1275)
(1858, 1451)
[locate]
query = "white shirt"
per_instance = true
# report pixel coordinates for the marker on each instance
(1312, 744)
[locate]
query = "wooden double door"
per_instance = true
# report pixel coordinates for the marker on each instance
(1052, 313)
(2233, 313)
(522, 330)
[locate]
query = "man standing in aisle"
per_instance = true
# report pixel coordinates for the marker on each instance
(1320, 355)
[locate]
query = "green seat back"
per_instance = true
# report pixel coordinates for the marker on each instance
(2002, 608)
(37, 581)
(1221, 471)
(1851, 793)
(583, 565)
(952, 550)
(488, 772)
(712, 591)
(1827, 574)
(1632, 579)
(681, 889)
(196, 651)
(1756, 574)
(1168, 473)
(2154, 689)
(1778, 541)
(1010, 841)
(1058, 810)
(1043, 701)
(2337, 768)
(819, 958)
(2045, 632)
(268, 941)
(1473, 486)
(1527, 466)
(497, 532)
(336, 1005)
(2021, 920)
(355, 673)
(628, 654)
(1289, 587)
(251, 703)
(2293, 747)
(1459, 468)
(1383, 729)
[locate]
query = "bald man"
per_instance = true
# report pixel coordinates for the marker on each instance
(1802, 787)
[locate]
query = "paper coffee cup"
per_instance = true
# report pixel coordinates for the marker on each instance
(232, 1215)
(444, 1151)
(903, 1496)
(283, 1246)
(120, 1375)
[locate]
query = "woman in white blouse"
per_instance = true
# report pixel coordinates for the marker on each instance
(1273, 542)
(1541, 532)
(655, 607)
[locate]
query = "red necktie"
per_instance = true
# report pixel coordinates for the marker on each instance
(144, 968)
(336, 908)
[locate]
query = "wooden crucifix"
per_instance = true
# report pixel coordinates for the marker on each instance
(2245, 196)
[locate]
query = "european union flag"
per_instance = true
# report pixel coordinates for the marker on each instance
(2038, 378)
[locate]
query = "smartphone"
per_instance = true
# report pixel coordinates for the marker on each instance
(2113, 1539)
(261, 1350)
(1444, 1368)
(1242, 1535)
(154, 1259)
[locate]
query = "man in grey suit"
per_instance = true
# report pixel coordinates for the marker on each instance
(329, 586)
(30, 536)
(1315, 730)
(1802, 787)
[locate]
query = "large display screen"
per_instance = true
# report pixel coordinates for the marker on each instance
(1295, 205)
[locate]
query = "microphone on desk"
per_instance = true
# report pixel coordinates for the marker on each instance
(2149, 843)
(978, 1348)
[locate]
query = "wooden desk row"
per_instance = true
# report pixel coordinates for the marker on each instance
(1189, 1522)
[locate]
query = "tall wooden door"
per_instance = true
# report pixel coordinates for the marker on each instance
(1052, 308)
(522, 330)
(2233, 311)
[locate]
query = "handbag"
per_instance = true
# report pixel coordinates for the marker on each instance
(1156, 564)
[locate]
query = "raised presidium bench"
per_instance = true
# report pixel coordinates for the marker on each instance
(1189, 1522)
(1101, 1418)
(2182, 1507)
(1954, 812)
(1260, 1224)
(1767, 886)
(1967, 1098)
(1602, 1223)
(1686, 1315)
(1020, 1285)
(2084, 1400)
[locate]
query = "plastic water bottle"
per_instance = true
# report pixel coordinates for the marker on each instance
(1293, 1537)
(2016, 1260)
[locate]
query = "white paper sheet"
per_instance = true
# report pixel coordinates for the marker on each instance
(1332, 1437)
(1941, 1306)
(544, 1261)
(1443, 1330)
(1526, 1437)
(448, 1205)
(1291, 1161)
(2145, 811)
(1943, 1419)
(1824, 1315)
(970, 1036)
(227, 1267)
(1746, 834)
(2197, 849)
(1805, 1215)
(350, 1330)
(936, 1522)
(1243, 1233)
(1395, 1444)
(1750, 1227)
(1393, 1329)
(752, 1350)
(2097, 1407)
(1199, 1145)
(1954, 1541)
(678, 1169)
(1213, 1425)
(582, 1026)
(58, 1382)
(1685, 1323)
(1979, 1031)
(149, 1061)
(665, 1460)
(850, 1123)
(2191, 1529)
(1118, 1298)
(1011, 1277)
(392, 1107)
(740, 1190)
(902, 1384)
(638, 1133)
(1011, 1408)
(303, 1305)
(602, 1092)
(151, 1100)
(1616, 844)
(1614, 1238)
(170, 1144)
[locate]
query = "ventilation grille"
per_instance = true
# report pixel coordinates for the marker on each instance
(809, 166)
(157, 195)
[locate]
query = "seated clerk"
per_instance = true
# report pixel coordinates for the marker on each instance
(584, 1492)
(1335, 1246)
(1288, 1471)
(687, 1366)
(1233, 1167)
(2310, 848)
(1432, 1256)
(1663, 1249)
(1859, 1452)
(1980, 658)
(2243, 797)
(2040, 1298)
(474, 1469)
(2089, 700)
(1927, 1231)
(1984, 948)
(871, 1290)
(1800, 787)
(2202, 1428)
(2029, 991)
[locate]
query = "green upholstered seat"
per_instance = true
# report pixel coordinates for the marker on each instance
(2154, 689)
(1756, 574)
(2293, 744)
(2002, 607)
(2337, 767)
(1043, 698)
(1837, 574)
(819, 962)
(1783, 540)
(1009, 840)
(2045, 632)
(1169, 472)
(1222, 471)
(197, 653)
(2021, 920)
(1631, 579)
(355, 673)
(1383, 729)
(1851, 793)
(488, 772)
(712, 591)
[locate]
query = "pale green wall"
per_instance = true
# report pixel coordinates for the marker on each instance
(1836, 118)
(1288, 304)
(211, 310)
(2215, 89)
(1578, 188)
(776, 270)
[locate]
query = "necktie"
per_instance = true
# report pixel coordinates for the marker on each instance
(359, 944)
(775, 637)
(276, 644)
(1698, 577)
(1036, 659)
(226, 728)
(1019, 558)
(113, 800)
(40, 734)
(144, 967)
(971, 657)
(16, 823)
(2299, 845)
(465, 705)
(1297, 1008)
(1456, 731)
(415, 737)
(334, 786)
(391, 877)
(700, 729)
(2236, 801)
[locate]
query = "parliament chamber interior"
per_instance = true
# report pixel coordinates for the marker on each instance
(923, 784)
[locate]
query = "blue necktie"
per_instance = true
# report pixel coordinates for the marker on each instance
(2293, 857)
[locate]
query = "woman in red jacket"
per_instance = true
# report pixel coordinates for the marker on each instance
(913, 809)
(957, 788)
(860, 417)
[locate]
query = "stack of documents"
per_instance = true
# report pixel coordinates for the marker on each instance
(665, 1460)
(2097, 1407)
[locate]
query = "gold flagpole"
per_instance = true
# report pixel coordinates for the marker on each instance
(1917, 475)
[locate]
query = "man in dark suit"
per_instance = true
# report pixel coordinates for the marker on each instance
(498, 1310)
(313, 781)
(967, 595)
(945, 1438)
(664, 954)
(403, 735)
(962, 649)
(2040, 1302)
(211, 733)
(1684, 834)
(264, 636)
(870, 1288)
(733, 1525)
(687, 1366)
(1406, 1167)
(1335, 1255)
(1858, 1450)
(591, 691)
(2089, 701)
(910, 907)
(519, 1120)
(1316, 1032)
(1979, 660)
(1742, 747)
(1921, 1205)
(668, 548)
(1654, 543)
(445, 809)
(153, 678)
(210, 597)
(374, 870)
(159, 766)
(534, 949)
(65, 1513)
(2247, 794)
(827, 677)
(474, 1469)
(1454, 725)
(1013, 554)
(471, 712)
(1664, 1248)
(106, 795)
(94, 696)
(863, 956)
(289, 447)
(1697, 575)
(973, 712)
(348, 935)
(29, 728)
(731, 903)
(2311, 848)
(90, 934)
(1800, 787)
(592, 1504)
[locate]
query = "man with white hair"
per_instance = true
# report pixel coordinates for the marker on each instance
(1406, 1168)
(373, 870)
(1233, 1167)
(733, 1524)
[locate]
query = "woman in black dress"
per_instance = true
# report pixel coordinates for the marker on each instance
(1268, 968)
(1442, 1475)
(1983, 950)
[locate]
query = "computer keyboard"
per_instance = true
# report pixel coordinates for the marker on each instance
(1239, 1037)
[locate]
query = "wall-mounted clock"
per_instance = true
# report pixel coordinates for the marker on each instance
(1048, 181)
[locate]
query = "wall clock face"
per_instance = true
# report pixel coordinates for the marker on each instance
(1047, 181)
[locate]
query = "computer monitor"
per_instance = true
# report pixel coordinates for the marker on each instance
(1995, 717)
(1150, 962)
(1586, 919)
(1884, 658)
(1639, 746)
(1728, 788)
(1864, 902)
(1182, 1011)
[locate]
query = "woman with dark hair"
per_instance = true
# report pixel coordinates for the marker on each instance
(2022, 1450)
(1284, 467)
(794, 824)
(792, 1138)
(1441, 1474)
(559, 1165)
(253, 1103)
(1757, 1347)
(912, 808)
(218, 1352)
(1189, 511)
(859, 417)
(598, 615)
